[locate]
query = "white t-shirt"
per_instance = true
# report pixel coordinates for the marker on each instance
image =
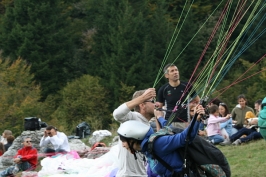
(128, 166)
(59, 141)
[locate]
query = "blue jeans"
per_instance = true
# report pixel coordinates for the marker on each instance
(22, 167)
(51, 152)
(252, 136)
(216, 139)
(242, 131)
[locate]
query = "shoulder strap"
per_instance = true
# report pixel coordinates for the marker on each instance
(166, 165)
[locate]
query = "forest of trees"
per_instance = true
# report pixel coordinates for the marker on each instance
(77, 60)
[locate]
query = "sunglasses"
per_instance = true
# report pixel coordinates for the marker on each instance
(223, 104)
(151, 101)
(28, 141)
(49, 133)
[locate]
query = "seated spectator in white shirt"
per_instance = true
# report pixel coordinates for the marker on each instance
(57, 139)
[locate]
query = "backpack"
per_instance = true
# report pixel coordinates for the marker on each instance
(202, 159)
(82, 130)
(32, 123)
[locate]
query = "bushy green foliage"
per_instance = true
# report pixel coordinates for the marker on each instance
(19, 95)
(84, 99)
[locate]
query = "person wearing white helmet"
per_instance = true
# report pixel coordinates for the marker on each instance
(143, 104)
(135, 135)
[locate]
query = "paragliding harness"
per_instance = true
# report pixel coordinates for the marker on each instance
(201, 158)
(262, 119)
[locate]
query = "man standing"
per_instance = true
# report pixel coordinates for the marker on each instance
(143, 104)
(25, 159)
(57, 139)
(173, 92)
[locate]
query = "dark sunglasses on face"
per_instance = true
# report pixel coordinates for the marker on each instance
(28, 141)
(151, 101)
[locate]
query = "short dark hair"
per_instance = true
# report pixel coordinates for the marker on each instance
(216, 101)
(165, 69)
(50, 127)
(10, 139)
(259, 101)
(213, 109)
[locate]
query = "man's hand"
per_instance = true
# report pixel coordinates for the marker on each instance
(200, 110)
(53, 132)
(158, 114)
(17, 160)
(45, 133)
(150, 93)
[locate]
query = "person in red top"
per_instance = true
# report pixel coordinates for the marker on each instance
(2, 149)
(25, 159)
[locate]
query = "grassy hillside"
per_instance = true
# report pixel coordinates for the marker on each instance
(246, 160)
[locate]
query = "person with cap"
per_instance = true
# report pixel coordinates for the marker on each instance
(57, 139)
(25, 159)
(143, 105)
(135, 136)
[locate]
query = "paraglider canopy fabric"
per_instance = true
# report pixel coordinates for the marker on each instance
(262, 119)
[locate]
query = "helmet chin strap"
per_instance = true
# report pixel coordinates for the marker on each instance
(134, 152)
(130, 144)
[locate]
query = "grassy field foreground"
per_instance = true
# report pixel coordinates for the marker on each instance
(246, 160)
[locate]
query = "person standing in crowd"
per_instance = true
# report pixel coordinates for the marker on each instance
(25, 159)
(238, 113)
(5, 134)
(57, 139)
(174, 91)
(10, 140)
(135, 136)
(143, 104)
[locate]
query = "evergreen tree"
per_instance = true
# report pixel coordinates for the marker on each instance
(129, 44)
(38, 33)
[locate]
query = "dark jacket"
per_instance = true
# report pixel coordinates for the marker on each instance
(7, 146)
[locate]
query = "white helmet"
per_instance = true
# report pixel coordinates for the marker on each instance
(133, 129)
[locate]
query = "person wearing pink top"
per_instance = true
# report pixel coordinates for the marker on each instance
(213, 126)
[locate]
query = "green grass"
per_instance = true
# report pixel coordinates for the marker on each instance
(246, 160)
